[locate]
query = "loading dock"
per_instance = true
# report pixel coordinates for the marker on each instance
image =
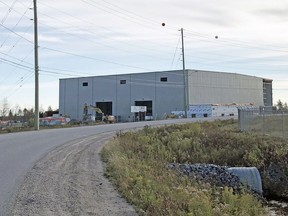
(142, 116)
(106, 107)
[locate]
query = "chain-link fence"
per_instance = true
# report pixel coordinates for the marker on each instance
(264, 120)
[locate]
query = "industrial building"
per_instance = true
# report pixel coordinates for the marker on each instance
(153, 95)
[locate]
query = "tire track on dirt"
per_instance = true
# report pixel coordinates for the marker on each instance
(69, 180)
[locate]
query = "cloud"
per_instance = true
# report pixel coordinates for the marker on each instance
(134, 37)
(277, 13)
(45, 38)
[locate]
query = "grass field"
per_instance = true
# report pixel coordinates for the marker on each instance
(273, 125)
(136, 163)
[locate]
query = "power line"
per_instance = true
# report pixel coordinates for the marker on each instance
(20, 85)
(20, 60)
(84, 38)
(8, 12)
(91, 58)
(176, 49)
(19, 39)
(13, 9)
(18, 65)
(114, 12)
(233, 42)
(17, 34)
(95, 33)
(125, 12)
(17, 23)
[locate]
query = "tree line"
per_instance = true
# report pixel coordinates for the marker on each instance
(282, 106)
(17, 113)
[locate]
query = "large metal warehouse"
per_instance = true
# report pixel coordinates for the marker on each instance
(160, 92)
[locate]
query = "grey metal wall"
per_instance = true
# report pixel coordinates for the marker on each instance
(68, 97)
(165, 96)
(204, 87)
(207, 87)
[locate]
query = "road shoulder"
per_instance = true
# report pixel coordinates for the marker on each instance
(70, 180)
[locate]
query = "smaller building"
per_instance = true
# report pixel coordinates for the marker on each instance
(212, 110)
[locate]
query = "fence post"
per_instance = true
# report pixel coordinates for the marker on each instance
(240, 120)
(283, 124)
(263, 121)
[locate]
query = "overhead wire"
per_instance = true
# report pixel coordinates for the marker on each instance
(195, 33)
(17, 34)
(97, 59)
(85, 38)
(239, 59)
(20, 36)
(121, 10)
(13, 28)
(102, 27)
(18, 65)
(97, 42)
(20, 85)
(176, 49)
(91, 58)
(115, 13)
(203, 36)
(233, 42)
(8, 12)
(17, 84)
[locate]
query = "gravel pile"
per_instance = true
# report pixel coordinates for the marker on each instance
(276, 180)
(209, 173)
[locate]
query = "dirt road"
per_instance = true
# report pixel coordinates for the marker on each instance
(69, 181)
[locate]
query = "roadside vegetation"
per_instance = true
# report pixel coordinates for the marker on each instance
(137, 161)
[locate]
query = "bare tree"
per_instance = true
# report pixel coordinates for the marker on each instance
(282, 106)
(4, 108)
(16, 110)
(49, 109)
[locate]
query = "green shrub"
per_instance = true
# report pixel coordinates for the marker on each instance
(136, 163)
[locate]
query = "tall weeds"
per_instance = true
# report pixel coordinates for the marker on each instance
(136, 163)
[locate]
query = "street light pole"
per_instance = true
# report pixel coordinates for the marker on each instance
(185, 78)
(36, 117)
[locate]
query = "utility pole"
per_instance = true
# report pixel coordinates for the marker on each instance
(184, 76)
(36, 117)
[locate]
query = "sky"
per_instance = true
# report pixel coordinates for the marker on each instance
(79, 38)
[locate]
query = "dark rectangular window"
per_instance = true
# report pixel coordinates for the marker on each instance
(163, 79)
(85, 84)
(122, 81)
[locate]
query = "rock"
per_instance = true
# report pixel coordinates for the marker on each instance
(222, 176)
(275, 181)
(209, 173)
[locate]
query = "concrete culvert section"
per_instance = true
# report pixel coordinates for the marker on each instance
(221, 176)
(248, 176)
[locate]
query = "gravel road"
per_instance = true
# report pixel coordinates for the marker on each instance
(35, 171)
(69, 181)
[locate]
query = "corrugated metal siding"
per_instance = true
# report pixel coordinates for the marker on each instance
(221, 88)
(204, 88)
(165, 96)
